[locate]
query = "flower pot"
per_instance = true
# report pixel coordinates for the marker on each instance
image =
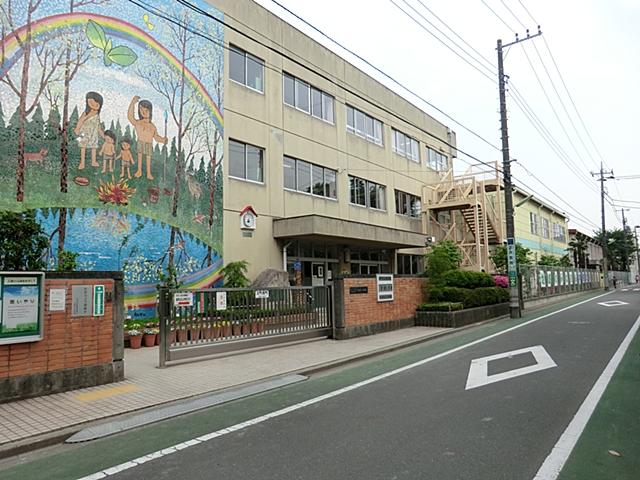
(172, 337)
(260, 327)
(182, 336)
(149, 339)
(157, 339)
(216, 331)
(254, 327)
(237, 329)
(226, 331)
(246, 328)
(195, 334)
(135, 341)
(206, 333)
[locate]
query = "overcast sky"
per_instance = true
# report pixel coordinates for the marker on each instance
(595, 44)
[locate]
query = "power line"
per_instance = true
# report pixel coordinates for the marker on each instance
(498, 16)
(386, 75)
(513, 14)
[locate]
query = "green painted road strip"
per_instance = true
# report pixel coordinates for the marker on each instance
(77, 461)
(614, 426)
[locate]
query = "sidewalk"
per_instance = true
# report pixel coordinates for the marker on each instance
(148, 386)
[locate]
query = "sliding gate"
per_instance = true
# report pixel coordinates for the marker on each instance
(195, 323)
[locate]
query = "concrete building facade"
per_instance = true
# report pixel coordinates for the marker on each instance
(342, 160)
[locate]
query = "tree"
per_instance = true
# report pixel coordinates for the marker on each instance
(3, 128)
(443, 257)
(22, 241)
(549, 260)
(52, 127)
(235, 274)
(499, 257)
(578, 249)
(35, 128)
(621, 248)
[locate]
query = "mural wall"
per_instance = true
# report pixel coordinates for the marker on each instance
(111, 127)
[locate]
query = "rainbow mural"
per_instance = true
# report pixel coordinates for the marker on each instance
(136, 182)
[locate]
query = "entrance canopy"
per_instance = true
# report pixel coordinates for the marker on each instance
(328, 229)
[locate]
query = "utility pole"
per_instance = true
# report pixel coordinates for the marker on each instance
(625, 263)
(514, 294)
(605, 262)
(635, 233)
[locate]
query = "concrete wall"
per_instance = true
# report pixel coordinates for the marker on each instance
(262, 119)
(75, 352)
(358, 314)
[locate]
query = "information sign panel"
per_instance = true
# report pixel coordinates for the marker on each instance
(21, 306)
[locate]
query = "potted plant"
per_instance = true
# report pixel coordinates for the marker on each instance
(226, 328)
(149, 337)
(135, 338)
(236, 328)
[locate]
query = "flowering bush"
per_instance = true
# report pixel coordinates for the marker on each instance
(134, 333)
(151, 331)
(501, 281)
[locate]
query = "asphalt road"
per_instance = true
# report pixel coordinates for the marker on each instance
(423, 423)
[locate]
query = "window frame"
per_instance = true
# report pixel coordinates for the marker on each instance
(324, 98)
(377, 127)
(262, 163)
(408, 143)
(533, 223)
(246, 54)
(441, 160)
(380, 194)
(408, 197)
(312, 168)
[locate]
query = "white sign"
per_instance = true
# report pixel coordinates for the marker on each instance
(479, 370)
(183, 299)
(57, 299)
(221, 300)
(384, 287)
(262, 293)
(613, 303)
(20, 304)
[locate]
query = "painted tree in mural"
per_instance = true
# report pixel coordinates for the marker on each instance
(49, 61)
(76, 55)
(185, 106)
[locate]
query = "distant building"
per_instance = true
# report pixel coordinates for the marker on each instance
(585, 251)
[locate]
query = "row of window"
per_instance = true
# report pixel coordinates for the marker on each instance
(559, 231)
(246, 162)
(248, 70)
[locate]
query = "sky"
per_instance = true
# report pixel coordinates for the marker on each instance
(594, 43)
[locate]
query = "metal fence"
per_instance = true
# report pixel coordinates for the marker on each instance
(543, 281)
(195, 323)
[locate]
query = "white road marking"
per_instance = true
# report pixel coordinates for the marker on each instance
(553, 464)
(479, 369)
(626, 290)
(636, 289)
(170, 450)
(613, 303)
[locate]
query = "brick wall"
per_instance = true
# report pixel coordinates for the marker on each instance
(361, 314)
(75, 351)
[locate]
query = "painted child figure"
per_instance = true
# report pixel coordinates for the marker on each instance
(125, 157)
(108, 150)
(88, 129)
(146, 132)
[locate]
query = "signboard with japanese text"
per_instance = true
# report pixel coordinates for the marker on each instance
(21, 306)
(183, 299)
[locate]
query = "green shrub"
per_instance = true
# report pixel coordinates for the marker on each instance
(67, 261)
(470, 298)
(465, 279)
(448, 294)
(486, 296)
(440, 307)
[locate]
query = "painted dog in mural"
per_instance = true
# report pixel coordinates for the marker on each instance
(36, 157)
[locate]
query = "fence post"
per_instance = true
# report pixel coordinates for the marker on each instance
(163, 314)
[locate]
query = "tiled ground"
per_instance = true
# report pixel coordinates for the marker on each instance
(146, 385)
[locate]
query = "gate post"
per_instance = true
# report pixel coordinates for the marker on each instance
(164, 298)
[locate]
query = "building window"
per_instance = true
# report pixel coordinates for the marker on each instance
(407, 204)
(306, 177)
(245, 161)
(363, 125)
(406, 146)
(545, 228)
(304, 97)
(533, 223)
(410, 264)
(559, 233)
(246, 69)
(437, 161)
(367, 194)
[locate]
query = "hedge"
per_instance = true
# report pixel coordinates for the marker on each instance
(470, 298)
(465, 279)
(440, 307)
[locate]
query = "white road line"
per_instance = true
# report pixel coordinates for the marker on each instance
(553, 464)
(239, 426)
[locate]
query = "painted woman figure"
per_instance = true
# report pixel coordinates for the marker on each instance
(89, 130)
